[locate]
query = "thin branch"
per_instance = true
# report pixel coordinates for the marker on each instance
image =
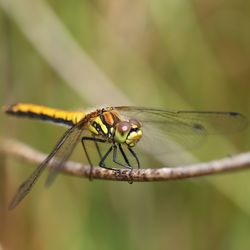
(233, 163)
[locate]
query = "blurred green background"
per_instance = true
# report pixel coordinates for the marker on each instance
(168, 54)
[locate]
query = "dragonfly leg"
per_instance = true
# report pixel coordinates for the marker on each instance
(135, 156)
(88, 158)
(130, 181)
(102, 164)
(86, 152)
(99, 151)
(103, 158)
(124, 156)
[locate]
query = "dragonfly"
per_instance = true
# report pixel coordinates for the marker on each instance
(117, 127)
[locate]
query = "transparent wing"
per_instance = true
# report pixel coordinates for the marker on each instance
(187, 122)
(60, 154)
(164, 131)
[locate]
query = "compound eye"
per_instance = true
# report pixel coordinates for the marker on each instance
(135, 123)
(123, 127)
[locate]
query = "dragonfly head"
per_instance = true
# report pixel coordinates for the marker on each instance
(128, 132)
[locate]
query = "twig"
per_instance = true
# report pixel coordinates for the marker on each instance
(233, 163)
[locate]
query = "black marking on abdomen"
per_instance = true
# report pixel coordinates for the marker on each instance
(40, 117)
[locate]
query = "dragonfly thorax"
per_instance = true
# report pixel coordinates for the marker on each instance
(98, 127)
(111, 127)
(103, 125)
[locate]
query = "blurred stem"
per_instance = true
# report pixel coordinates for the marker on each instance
(53, 41)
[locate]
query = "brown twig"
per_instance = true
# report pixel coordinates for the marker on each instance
(233, 163)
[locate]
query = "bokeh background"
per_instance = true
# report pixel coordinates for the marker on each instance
(167, 54)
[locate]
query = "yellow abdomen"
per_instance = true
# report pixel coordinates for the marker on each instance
(69, 118)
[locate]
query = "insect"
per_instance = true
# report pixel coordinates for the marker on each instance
(122, 126)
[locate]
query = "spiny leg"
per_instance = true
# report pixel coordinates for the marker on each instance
(138, 163)
(135, 156)
(103, 158)
(130, 181)
(123, 154)
(86, 152)
(102, 164)
(98, 150)
(88, 158)
(87, 138)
